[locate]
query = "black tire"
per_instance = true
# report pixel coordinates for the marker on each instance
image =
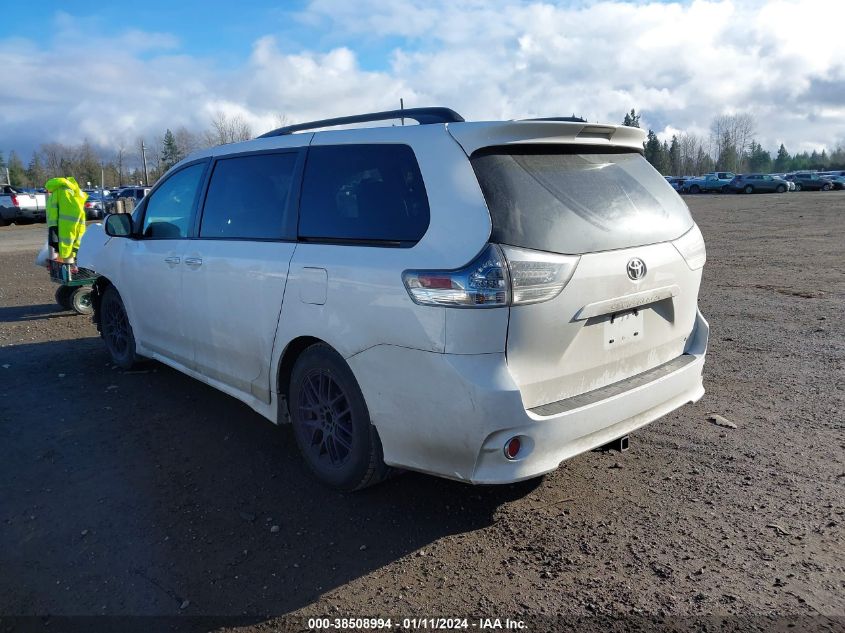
(116, 329)
(780, 189)
(694, 189)
(748, 189)
(80, 300)
(798, 186)
(825, 187)
(63, 297)
(331, 422)
(724, 189)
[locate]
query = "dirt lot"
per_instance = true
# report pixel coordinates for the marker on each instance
(147, 493)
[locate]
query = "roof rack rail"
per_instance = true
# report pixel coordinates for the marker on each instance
(423, 116)
(570, 119)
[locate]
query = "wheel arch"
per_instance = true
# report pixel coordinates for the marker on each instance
(287, 360)
(97, 290)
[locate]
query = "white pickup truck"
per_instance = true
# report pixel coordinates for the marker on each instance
(21, 207)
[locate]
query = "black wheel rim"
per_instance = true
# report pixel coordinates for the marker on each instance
(325, 419)
(116, 328)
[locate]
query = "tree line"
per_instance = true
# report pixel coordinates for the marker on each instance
(730, 146)
(123, 165)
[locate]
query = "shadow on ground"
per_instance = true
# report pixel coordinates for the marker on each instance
(149, 493)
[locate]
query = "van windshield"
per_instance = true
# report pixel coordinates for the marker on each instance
(573, 200)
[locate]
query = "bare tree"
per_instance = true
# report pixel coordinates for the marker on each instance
(731, 136)
(226, 129)
(186, 141)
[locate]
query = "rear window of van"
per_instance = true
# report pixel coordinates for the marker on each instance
(577, 200)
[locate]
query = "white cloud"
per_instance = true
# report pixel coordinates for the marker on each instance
(679, 64)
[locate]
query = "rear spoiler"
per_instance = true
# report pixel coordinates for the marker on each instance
(473, 136)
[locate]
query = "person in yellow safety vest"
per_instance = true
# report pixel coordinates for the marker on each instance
(65, 216)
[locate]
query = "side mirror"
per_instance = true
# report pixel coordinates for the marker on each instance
(119, 225)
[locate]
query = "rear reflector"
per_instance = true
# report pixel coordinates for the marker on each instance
(512, 447)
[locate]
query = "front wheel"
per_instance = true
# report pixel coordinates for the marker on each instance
(798, 187)
(694, 189)
(331, 422)
(116, 330)
(724, 189)
(780, 189)
(749, 189)
(825, 187)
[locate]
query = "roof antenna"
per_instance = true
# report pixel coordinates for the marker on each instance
(402, 108)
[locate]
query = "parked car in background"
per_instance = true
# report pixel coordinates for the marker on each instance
(838, 182)
(790, 186)
(757, 183)
(20, 207)
(133, 192)
(95, 205)
(431, 319)
(714, 181)
(809, 181)
(676, 182)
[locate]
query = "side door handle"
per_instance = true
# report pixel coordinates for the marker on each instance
(193, 261)
(172, 260)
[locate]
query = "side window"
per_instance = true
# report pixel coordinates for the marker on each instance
(168, 211)
(248, 197)
(363, 192)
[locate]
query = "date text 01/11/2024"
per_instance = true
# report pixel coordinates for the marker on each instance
(412, 624)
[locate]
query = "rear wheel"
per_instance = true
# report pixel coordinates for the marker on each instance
(798, 186)
(63, 294)
(331, 422)
(825, 187)
(780, 189)
(724, 189)
(116, 330)
(695, 189)
(748, 189)
(80, 300)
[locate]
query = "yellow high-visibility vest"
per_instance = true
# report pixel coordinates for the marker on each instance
(66, 211)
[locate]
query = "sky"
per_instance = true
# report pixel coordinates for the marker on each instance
(113, 72)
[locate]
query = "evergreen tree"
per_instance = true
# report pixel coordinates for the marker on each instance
(17, 172)
(675, 156)
(783, 160)
(759, 160)
(653, 150)
(632, 119)
(35, 173)
(169, 151)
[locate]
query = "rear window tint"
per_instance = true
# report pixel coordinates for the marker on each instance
(248, 197)
(363, 193)
(564, 201)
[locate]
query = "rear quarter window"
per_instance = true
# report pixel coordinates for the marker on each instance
(363, 193)
(576, 200)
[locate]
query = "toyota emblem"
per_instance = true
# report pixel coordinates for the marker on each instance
(636, 269)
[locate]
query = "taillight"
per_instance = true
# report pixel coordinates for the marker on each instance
(499, 276)
(88, 205)
(537, 276)
(691, 247)
(482, 283)
(14, 200)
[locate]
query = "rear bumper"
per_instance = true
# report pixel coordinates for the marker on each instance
(451, 415)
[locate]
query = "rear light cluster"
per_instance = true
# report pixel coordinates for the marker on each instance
(15, 201)
(499, 276)
(691, 247)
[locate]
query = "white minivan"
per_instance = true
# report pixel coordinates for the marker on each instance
(474, 300)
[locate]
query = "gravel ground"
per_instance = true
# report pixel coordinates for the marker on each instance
(148, 493)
